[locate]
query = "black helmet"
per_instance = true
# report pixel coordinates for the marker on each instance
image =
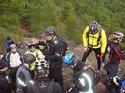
(42, 43)
(29, 58)
(83, 82)
(30, 45)
(50, 31)
(84, 79)
(94, 26)
(42, 66)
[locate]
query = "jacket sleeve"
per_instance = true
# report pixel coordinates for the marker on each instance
(84, 37)
(40, 55)
(103, 41)
(118, 53)
(57, 53)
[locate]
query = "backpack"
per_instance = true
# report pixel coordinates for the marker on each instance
(64, 46)
(99, 37)
(49, 90)
(8, 56)
(111, 52)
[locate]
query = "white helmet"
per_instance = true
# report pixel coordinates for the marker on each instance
(118, 36)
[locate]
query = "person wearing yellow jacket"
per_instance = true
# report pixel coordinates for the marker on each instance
(37, 53)
(94, 39)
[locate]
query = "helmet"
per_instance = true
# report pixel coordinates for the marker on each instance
(42, 43)
(29, 58)
(69, 58)
(42, 66)
(12, 46)
(83, 79)
(82, 83)
(94, 27)
(31, 44)
(50, 31)
(117, 36)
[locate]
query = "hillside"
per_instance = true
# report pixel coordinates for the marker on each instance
(69, 17)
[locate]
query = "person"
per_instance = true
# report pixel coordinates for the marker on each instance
(113, 55)
(94, 39)
(84, 77)
(8, 43)
(42, 46)
(42, 83)
(5, 86)
(37, 53)
(54, 55)
(23, 75)
(14, 58)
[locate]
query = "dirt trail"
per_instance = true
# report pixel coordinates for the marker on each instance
(24, 30)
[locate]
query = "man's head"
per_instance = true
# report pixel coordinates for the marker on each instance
(13, 48)
(32, 47)
(50, 33)
(42, 45)
(94, 27)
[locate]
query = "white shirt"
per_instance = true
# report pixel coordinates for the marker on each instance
(15, 59)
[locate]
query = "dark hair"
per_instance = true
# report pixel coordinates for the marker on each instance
(8, 38)
(43, 43)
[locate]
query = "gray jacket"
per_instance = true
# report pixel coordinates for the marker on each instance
(23, 79)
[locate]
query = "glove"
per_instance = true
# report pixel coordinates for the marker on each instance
(100, 56)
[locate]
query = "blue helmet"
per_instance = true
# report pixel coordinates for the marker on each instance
(69, 58)
(94, 26)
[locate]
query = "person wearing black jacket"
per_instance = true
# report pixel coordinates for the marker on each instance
(42, 84)
(54, 56)
(5, 86)
(23, 75)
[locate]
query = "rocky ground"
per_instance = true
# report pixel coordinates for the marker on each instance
(100, 87)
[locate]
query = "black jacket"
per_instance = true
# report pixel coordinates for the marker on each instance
(42, 85)
(5, 87)
(54, 55)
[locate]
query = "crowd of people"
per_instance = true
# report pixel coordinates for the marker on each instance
(39, 69)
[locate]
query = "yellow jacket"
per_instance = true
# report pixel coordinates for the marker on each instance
(93, 41)
(39, 56)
